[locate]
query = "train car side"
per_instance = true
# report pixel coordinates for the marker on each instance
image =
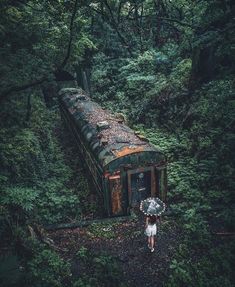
(123, 167)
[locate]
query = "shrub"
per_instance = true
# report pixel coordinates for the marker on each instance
(48, 269)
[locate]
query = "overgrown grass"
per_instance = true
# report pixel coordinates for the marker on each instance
(102, 230)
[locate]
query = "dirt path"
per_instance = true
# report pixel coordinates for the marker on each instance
(126, 242)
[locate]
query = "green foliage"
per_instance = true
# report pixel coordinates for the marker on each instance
(180, 75)
(104, 270)
(213, 45)
(193, 127)
(24, 198)
(144, 64)
(194, 130)
(82, 253)
(213, 269)
(57, 203)
(48, 269)
(35, 37)
(137, 86)
(173, 78)
(22, 158)
(18, 204)
(102, 230)
(107, 270)
(173, 145)
(34, 175)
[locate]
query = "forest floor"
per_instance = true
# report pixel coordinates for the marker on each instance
(126, 242)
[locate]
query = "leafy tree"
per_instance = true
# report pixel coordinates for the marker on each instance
(38, 41)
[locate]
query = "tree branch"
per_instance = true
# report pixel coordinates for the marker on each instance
(179, 22)
(112, 23)
(43, 79)
(23, 87)
(70, 36)
(170, 20)
(28, 5)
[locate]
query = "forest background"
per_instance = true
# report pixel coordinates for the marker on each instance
(168, 67)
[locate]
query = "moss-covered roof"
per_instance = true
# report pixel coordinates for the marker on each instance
(108, 138)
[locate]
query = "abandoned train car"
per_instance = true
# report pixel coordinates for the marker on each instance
(123, 166)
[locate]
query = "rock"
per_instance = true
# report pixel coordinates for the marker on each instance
(69, 91)
(102, 125)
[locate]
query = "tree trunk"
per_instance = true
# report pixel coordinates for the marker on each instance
(29, 108)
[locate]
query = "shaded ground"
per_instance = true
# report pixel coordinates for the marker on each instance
(126, 242)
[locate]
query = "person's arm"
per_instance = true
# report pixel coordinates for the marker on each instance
(146, 222)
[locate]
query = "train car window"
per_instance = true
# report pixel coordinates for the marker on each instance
(139, 186)
(116, 194)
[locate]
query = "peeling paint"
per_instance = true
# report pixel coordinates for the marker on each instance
(128, 150)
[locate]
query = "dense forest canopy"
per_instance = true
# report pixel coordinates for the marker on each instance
(168, 67)
(41, 38)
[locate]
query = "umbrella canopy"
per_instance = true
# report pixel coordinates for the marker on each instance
(152, 206)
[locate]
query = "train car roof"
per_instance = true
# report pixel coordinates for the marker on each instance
(108, 139)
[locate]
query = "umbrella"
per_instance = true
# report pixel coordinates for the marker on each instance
(152, 206)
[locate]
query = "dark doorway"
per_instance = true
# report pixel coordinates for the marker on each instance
(140, 187)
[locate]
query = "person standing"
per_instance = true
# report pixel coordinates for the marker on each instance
(151, 230)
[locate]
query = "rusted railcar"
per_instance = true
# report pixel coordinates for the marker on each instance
(123, 166)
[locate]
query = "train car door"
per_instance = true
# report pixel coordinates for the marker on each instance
(116, 194)
(141, 184)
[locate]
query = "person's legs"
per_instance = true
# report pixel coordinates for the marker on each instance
(152, 242)
(149, 241)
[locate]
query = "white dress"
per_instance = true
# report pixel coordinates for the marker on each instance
(151, 229)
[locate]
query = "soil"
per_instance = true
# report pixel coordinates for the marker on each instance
(126, 243)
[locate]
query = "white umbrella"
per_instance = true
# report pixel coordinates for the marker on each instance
(152, 206)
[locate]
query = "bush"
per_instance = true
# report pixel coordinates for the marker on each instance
(35, 179)
(48, 269)
(214, 268)
(22, 158)
(104, 270)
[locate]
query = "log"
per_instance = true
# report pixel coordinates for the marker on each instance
(225, 233)
(84, 223)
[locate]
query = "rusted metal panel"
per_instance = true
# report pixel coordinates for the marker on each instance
(128, 150)
(106, 195)
(116, 194)
(113, 177)
(135, 160)
(129, 187)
